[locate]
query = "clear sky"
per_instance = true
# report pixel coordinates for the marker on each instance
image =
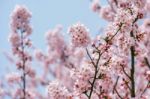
(46, 14)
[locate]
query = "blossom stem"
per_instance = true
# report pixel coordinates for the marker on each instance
(115, 90)
(23, 67)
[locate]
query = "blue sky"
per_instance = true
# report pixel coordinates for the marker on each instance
(46, 14)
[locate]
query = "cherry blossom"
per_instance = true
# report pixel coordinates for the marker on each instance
(79, 34)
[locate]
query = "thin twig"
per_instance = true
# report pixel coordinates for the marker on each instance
(95, 76)
(115, 90)
(115, 33)
(118, 94)
(90, 57)
(147, 62)
(125, 72)
(23, 66)
(115, 84)
(145, 88)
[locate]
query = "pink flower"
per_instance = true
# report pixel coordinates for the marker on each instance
(39, 55)
(55, 40)
(20, 19)
(30, 72)
(14, 39)
(107, 13)
(146, 25)
(82, 76)
(147, 6)
(140, 3)
(80, 35)
(57, 91)
(95, 6)
(13, 78)
(18, 94)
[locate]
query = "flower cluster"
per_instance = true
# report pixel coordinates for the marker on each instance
(79, 34)
(13, 77)
(20, 20)
(20, 29)
(20, 41)
(95, 6)
(82, 77)
(115, 65)
(57, 91)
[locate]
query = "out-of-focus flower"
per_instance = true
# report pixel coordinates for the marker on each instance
(13, 78)
(39, 55)
(139, 3)
(107, 13)
(14, 39)
(55, 40)
(20, 19)
(95, 6)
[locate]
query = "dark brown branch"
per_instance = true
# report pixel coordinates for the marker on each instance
(115, 84)
(132, 50)
(96, 65)
(118, 94)
(95, 76)
(128, 86)
(145, 88)
(147, 62)
(86, 93)
(125, 72)
(115, 90)
(132, 72)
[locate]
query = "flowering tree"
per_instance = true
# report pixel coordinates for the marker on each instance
(113, 65)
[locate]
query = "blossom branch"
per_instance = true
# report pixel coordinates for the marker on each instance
(111, 5)
(95, 75)
(96, 65)
(21, 29)
(23, 66)
(132, 71)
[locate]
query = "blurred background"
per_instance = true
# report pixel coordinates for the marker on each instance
(46, 14)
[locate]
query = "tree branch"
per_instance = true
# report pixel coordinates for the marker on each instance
(125, 72)
(147, 62)
(23, 66)
(95, 76)
(132, 49)
(145, 88)
(90, 57)
(115, 90)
